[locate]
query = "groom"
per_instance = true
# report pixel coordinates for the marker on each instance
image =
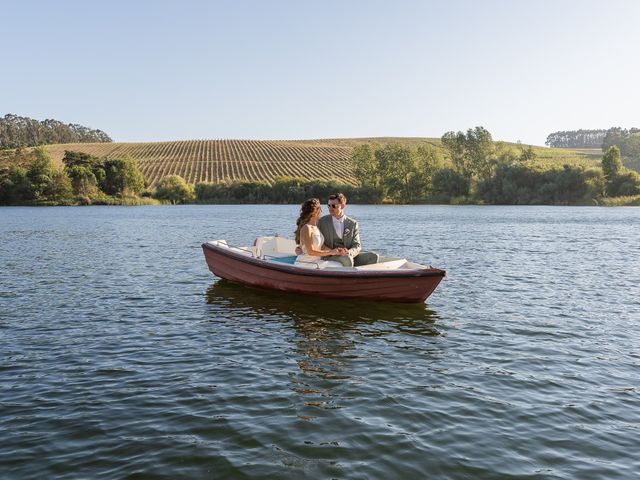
(342, 232)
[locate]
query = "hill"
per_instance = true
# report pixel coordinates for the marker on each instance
(222, 160)
(229, 160)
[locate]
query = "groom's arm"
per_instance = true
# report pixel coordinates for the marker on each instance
(355, 244)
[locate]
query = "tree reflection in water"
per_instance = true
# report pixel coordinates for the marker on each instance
(330, 336)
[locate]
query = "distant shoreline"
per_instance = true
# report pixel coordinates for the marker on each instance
(613, 202)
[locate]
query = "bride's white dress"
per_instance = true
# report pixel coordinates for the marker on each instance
(317, 241)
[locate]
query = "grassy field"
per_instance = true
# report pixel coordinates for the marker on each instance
(229, 160)
(595, 153)
(583, 156)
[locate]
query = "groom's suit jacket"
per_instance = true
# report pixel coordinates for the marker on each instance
(350, 236)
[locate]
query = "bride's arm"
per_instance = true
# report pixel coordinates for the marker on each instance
(307, 240)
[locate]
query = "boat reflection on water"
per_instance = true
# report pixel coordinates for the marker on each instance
(330, 338)
(309, 312)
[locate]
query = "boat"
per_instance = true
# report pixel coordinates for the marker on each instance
(271, 263)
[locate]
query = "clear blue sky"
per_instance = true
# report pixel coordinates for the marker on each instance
(160, 70)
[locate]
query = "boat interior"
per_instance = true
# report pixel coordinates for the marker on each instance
(277, 249)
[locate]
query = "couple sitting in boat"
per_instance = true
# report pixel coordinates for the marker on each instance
(330, 241)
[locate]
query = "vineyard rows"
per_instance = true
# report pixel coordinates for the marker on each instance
(223, 160)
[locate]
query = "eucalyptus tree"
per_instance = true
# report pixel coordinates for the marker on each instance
(576, 138)
(16, 131)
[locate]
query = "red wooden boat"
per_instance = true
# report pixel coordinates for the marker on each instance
(269, 264)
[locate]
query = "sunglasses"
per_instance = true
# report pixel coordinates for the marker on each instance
(333, 205)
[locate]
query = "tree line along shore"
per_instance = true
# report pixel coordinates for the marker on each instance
(459, 168)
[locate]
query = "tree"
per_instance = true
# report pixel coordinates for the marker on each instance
(18, 131)
(175, 189)
(41, 182)
(122, 177)
(59, 188)
(401, 177)
(15, 187)
(611, 163)
(450, 183)
(40, 173)
(83, 180)
(79, 159)
(532, 184)
(454, 145)
(612, 167)
(576, 139)
(471, 153)
(395, 171)
(86, 172)
(627, 183)
(365, 166)
(479, 150)
(429, 162)
(627, 140)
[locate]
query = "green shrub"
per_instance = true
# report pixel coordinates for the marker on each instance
(624, 184)
(83, 180)
(15, 187)
(174, 189)
(288, 190)
(632, 201)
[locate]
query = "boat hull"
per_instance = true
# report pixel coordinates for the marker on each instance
(406, 286)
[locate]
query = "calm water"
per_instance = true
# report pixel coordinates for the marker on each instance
(123, 357)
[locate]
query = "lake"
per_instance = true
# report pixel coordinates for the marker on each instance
(122, 356)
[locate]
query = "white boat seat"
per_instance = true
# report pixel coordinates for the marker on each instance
(275, 246)
(387, 265)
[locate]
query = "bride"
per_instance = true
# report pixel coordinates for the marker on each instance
(309, 237)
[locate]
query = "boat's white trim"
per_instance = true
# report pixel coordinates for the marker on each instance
(268, 249)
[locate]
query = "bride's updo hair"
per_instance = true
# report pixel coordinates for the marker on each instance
(307, 210)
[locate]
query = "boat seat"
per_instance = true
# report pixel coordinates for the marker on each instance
(394, 264)
(250, 251)
(275, 246)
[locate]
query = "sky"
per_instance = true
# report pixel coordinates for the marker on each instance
(276, 69)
